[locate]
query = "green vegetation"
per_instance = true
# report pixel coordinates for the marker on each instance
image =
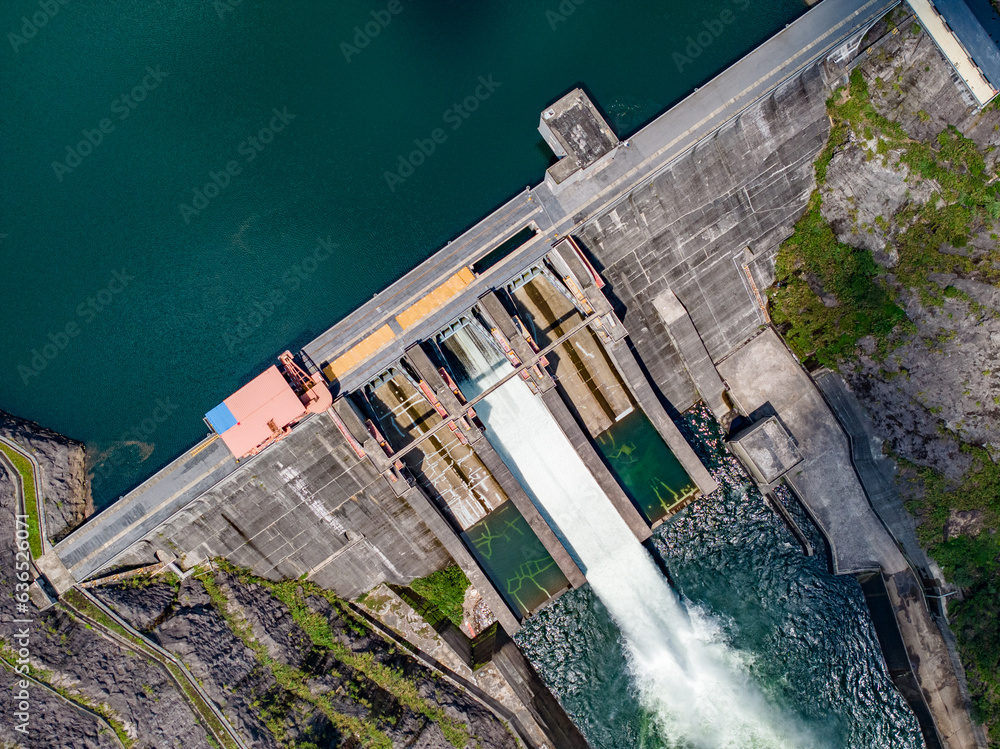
(146, 580)
(27, 472)
(445, 590)
(860, 302)
(973, 564)
(864, 302)
(813, 268)
(294, 594)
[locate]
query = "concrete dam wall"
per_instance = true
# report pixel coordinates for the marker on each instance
(687, 228)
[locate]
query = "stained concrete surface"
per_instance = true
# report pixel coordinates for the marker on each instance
(308, 506)
(877, 472)
(685, 230)
(765, 378)
(580, 363)
(767, 449)
(693, 353)
(113, 530)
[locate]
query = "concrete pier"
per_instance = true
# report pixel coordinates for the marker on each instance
(580, 364)
(693, 353)
(642, 392)
(766, 379)
(578, 438)
(534, 518)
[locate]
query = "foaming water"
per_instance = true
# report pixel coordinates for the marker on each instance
(803, 634)
(696, 690)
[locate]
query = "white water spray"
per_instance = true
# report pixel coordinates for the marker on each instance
(695, 686)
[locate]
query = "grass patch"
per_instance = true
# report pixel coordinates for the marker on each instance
(295, 593)
(27, 472)
(444, 589)
(813, 257)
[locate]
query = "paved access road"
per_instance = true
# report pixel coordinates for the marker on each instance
(778, 60)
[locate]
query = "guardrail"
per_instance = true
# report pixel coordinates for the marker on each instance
(165, 658)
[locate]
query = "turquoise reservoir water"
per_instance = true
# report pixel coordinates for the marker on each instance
(803, 636)
(125, 317)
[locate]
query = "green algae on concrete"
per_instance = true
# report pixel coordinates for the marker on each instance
(514, 559)
(650, 473)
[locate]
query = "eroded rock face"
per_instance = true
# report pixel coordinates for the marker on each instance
(138, 691)
(143, 607)
(227, 669)
(938, 387)
(56, 724)
(864, 191)
(273, 626)
(65, 487)
(917, 90)
(963, 523)
(942, 383)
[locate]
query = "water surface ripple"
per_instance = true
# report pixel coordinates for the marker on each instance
(803, 634)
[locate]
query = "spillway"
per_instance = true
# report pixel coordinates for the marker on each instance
(694, 686)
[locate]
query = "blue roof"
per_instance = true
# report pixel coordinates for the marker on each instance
(973, 36)
(221, 418)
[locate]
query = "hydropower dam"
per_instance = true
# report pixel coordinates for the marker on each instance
(507, 405)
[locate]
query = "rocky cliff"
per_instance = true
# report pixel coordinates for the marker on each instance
(892, 277)
(65, 486)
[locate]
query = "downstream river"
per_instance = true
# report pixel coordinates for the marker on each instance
(158, 249)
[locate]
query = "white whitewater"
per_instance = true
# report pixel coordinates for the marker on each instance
(694, 686)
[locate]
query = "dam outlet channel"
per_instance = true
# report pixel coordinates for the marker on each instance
(695, 688)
